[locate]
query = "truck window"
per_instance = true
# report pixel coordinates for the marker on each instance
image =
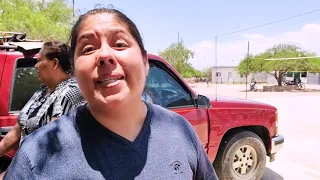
(25, 83)
(165, 90)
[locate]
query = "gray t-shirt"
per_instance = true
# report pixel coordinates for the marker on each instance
(76, 146)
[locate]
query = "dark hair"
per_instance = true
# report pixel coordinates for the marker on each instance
(61, 51)
(100, 10)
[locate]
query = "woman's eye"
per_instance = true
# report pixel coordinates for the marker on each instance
(120, 45)
(87, 50)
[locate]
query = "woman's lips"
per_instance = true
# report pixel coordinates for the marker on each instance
(110, 80)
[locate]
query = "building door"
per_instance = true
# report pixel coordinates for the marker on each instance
(304, 77)
(218, 77)
(230, 79)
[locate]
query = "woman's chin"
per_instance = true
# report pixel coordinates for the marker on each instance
(113, 100)
(103, 99)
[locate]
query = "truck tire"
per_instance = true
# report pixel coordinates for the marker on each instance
(242, 156)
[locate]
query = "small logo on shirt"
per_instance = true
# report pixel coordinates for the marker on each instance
(176, 167)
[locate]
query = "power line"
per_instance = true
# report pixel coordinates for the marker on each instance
(295, 23)
(262, 25)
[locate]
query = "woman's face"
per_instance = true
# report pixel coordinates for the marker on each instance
(45, 68)
(109, 66)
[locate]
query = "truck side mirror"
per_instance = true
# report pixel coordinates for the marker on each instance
(203, 101)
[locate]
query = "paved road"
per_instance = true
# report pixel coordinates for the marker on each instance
(299, 122)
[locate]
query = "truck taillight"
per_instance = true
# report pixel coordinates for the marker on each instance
(276, 123)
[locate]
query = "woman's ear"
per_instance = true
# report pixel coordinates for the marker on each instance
(55, 63)
(146, 64)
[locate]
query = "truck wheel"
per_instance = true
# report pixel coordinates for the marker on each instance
(241, 157)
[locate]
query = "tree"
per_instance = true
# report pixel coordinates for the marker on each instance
(279, 68)
(207, 72)
(178, 55)
(39, 19)
(188, 71)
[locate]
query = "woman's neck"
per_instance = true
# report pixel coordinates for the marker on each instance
(127, 123)
(52, 86)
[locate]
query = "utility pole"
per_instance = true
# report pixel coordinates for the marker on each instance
(178, 38)
(216, 59)
(73, 9)
(247, 71)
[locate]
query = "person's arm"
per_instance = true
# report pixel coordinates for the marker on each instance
(19, 168)
(11, 140)
(54, 118)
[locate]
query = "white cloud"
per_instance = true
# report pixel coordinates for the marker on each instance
(231, 53)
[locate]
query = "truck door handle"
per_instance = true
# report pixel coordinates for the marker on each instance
(5, 130)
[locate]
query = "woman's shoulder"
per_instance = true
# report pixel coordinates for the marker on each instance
(165, 122)
(72, 91)
(68, 84)
(71, 83)
(165, 117)
(52, 135)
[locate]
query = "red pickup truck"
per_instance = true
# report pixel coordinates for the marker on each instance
(237, 134)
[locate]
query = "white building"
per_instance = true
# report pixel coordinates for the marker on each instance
(230, 75)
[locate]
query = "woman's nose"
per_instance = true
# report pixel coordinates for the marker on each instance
(102, 61)
(36, 65)
(105, 56)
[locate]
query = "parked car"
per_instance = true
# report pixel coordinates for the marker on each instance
(237, 134)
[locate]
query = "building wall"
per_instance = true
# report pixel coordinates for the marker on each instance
(271, 79)
(261, 77)
(227, 75)
(230, 75)
(313, 78)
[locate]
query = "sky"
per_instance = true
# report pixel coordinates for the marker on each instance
(197, 22)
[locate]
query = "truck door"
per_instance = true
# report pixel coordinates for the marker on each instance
(20, 81)
(3, 56)
(166, 90)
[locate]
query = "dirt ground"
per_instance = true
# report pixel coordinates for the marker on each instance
(299, 123)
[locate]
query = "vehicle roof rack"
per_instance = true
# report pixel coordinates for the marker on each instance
(24, 47)
(6, 36)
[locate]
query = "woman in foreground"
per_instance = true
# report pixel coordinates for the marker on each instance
(115, 135)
